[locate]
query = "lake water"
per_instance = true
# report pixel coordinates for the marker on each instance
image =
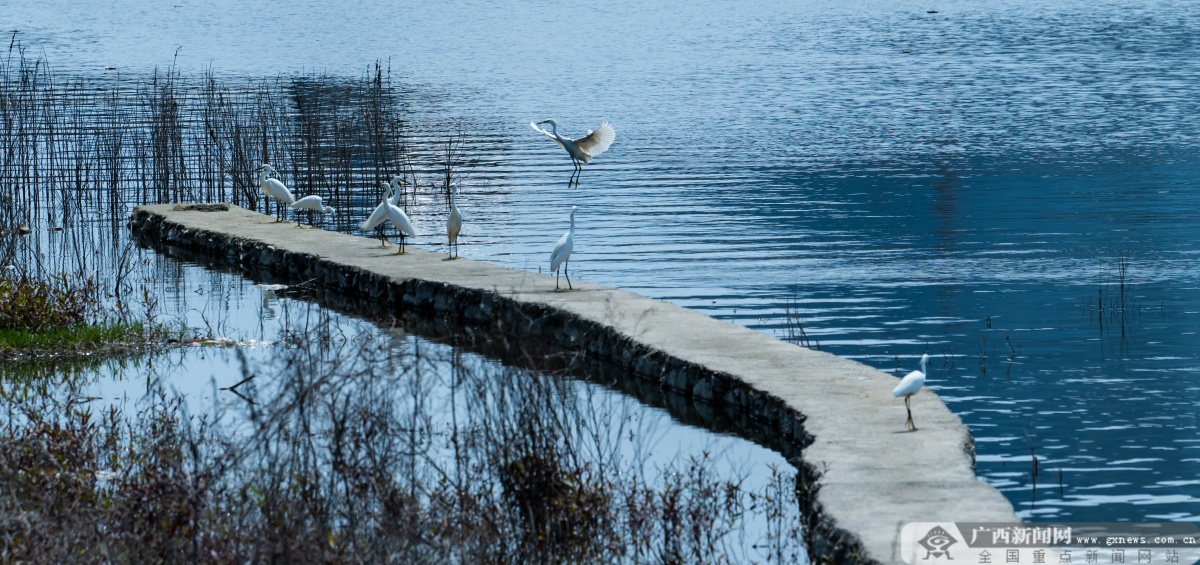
(964, 183)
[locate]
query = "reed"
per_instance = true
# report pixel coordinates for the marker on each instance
(794, 326)
(1115, 305)
(86, 149)
(79, 152)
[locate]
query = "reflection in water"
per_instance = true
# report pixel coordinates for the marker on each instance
(386, 445)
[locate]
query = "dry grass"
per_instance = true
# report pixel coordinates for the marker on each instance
(356, 449)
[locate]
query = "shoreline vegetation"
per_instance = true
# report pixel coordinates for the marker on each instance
(350, 445)
(340, 447)
(58, 319)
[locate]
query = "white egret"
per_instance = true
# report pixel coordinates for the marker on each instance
(562, 253)
(386, 211)
(582, 149)
(399, 193)
(453, 226)
(910, 385)
(274, 187)
(379, 214)
(312, 204)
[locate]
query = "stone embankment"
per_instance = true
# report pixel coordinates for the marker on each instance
(865, 476)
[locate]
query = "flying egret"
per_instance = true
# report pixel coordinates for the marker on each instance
(910, 385)
(582, 149)
(274, 187)
(312, 204)
(386, 211)
(562, 253)
(453, 226)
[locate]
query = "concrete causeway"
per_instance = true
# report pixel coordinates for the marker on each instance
(865, 475)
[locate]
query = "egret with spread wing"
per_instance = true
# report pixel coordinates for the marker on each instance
(274, 187)
(581, 150)
(910, 385)
(562, 252)
(386, 211)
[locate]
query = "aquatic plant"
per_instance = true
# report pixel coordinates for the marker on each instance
(45, 304)
(77, 153)
(58, 317)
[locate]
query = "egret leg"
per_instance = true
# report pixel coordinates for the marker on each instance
(401, 252)
(556, 279)
(567, 274)
(574, 172)
(909, 423)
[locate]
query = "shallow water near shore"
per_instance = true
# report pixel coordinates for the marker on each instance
(966, 183)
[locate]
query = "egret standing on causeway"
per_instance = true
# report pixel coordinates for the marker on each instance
(910, 385)
(312, 204)
(274, 187)
(582, 149)
(379, 214)
(386, 211)
(562, 252)
(453, 226)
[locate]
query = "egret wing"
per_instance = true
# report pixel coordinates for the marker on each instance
(597, 141)
(279, 191)
(399, 219)
(377, 216)
(312, 202)
(562, 251)
(454, 224)
(910, 384)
